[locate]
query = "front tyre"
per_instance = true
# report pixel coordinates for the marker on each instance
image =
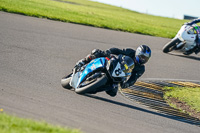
(171, 45)
(90, 88)
(65, 82)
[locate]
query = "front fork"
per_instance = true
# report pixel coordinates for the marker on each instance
(180, 45)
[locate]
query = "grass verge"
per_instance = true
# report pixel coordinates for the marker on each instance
(13, 124)
(184, 98)
(95, 14)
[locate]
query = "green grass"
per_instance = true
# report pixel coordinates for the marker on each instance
(189, 95)
(13, 124)
(95, 14)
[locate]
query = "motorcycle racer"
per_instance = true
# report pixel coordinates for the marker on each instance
(196, 28)
(140, 57)
(193, 22)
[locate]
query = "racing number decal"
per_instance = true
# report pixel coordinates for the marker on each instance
(118, 71)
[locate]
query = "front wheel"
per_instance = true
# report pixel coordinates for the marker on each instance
(171, 45)
(65, 82)
(90, 88)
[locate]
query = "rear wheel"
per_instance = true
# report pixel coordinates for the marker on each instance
(92, 85)
(171, 45)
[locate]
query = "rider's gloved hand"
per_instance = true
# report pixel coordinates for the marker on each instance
(99, 53)
(108, 53)
(96, 52)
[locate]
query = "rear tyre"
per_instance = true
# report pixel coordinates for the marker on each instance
(65, 82)
(171, 45)
(91, 88)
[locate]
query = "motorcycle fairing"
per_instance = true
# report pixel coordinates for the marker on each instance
(74, 80)
(94, 65)
(183, 34)
(187, 38)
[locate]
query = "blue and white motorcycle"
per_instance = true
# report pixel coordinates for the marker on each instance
(99, 73)
(184, 40)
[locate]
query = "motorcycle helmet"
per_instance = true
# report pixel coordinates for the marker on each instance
(142, 55)
(194, 29)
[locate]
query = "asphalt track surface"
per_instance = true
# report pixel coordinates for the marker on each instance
(36, 53)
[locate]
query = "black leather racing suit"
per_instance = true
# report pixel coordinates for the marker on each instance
(193, 22)
(136, 72)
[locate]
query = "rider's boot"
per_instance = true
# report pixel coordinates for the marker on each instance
(189, 52)
(112, 90)
(197, 50)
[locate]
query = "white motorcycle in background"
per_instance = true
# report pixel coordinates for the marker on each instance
(185, 39)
